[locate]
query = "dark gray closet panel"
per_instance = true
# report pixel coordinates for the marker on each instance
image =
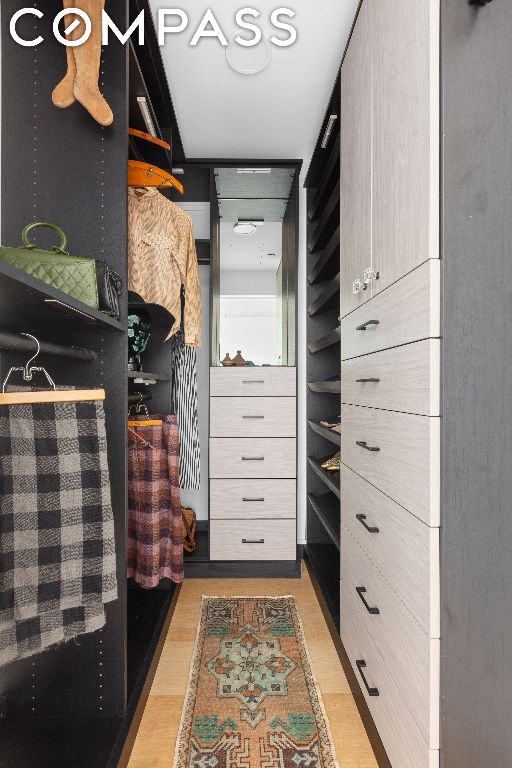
(476, 535)
(60, 166)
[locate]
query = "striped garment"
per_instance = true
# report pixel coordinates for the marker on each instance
(184, 405)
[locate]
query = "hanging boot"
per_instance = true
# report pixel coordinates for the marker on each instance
(88, 62)
(63, 95)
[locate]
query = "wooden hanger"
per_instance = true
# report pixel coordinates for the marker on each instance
(52, 395)
(146, 175)
(149, 137)
(140, 408)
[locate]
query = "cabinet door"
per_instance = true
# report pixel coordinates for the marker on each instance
(405, 197)
(356, 149)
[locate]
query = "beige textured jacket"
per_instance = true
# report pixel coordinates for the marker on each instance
(162, 257)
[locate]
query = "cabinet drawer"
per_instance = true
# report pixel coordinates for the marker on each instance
(253, 416)
(407, 311)
(405, 550)
(401, 379)
(252, 499)
(411, 657)
(248, 458)
(397, 728)
(253, 540)
(404, 462)
(253, 382)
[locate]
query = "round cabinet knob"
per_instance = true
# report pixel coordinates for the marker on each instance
(358, 286)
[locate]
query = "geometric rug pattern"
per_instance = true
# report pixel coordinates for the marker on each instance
(251, 700)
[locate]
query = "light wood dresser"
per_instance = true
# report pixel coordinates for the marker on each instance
(390, 373)
(253, 463)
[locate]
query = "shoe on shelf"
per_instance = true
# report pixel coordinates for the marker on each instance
(332, 464)
(238, 359)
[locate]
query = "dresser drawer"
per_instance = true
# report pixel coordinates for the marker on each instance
(397, 728)
(253, 540)
(405, 550)
(250, 499)
(233, 457)
(411, 657)
(404, 462)
(253, 416)
(406, 311)
(253, 382)
(404, 379)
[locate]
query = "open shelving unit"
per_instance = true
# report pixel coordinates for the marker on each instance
(323, 368)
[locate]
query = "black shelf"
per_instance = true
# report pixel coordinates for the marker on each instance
(328, 387)
(325, 562)
(333, 337)
(331, 479)
(320, 231)
(327, 264)
(333, 437)
(30, 304)
(328, 299)
(148, 376)
(331, 166)
(327, 508)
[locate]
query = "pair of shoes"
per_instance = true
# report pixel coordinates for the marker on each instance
(332, 464)
(236, 360)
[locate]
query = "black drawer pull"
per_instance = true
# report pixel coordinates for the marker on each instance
(248, 499)
(367, 381)
(364, 326)
(369, 528)
(253, 458)
(253, 381)
(253, 417)
(361, 664)
(253, 541)
(364, 444)
(361, 591)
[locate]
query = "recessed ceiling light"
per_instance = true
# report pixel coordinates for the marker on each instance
(244, 228)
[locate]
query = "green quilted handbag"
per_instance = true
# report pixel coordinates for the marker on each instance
(73, 275)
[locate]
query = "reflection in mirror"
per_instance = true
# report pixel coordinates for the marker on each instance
(256, 301)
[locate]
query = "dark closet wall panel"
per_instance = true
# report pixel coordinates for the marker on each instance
(60, 166)
(477, 384)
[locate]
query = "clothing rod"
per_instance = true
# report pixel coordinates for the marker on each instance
(17, 343)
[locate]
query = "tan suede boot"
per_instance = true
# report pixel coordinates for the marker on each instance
(88, 62)
(63, 95)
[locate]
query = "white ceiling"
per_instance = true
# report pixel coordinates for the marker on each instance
(251, 252)
(275, 114)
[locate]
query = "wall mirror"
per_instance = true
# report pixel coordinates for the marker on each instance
(254, 266)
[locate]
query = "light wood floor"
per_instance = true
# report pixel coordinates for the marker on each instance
(154, 746)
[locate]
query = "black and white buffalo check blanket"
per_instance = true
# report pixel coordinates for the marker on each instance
(57, 547)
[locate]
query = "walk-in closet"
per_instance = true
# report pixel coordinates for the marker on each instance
(255, 387)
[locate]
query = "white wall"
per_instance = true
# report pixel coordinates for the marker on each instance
(198, 500)
(301, 363)
(247, 282)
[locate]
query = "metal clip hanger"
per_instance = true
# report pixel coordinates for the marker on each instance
(43, 396)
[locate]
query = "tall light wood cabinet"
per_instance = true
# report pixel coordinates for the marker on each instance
(389, 619)
(403, 43)
(390, 123)
(356, 176)
(423, 527)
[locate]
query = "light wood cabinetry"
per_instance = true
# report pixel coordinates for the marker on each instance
(404, 45)
(253, 464)
(356, 182)
(390, 372)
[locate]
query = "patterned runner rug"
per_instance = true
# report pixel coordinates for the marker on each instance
(251, 700)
